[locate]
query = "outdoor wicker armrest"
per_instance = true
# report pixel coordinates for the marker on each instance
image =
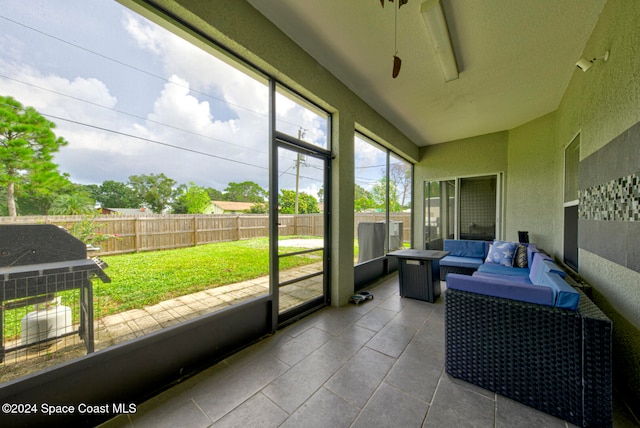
(555, 360)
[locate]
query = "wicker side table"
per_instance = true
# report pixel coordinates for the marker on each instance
(416, 273)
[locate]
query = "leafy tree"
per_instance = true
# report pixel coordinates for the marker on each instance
(247, 191)
(178, 204)
(72, 204)
(27, 145)
(92, 189)
(155, 190)
(400, 174)
(191, 199)
(363, 200)
(215, 194)
(379, 194)
(307, 204)
(434, 189)
(114, 194)
(32, 198)
(196, 198)
(3, 202)
(259, 208)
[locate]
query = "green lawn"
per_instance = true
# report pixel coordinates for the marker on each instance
(143, 279)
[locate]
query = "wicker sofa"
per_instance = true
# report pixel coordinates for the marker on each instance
(553, 359)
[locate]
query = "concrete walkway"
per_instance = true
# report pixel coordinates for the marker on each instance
(134, 323)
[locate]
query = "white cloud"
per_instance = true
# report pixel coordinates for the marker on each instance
(44, 92)
(176, 107)
(223, 147)
(142, 34)
(11, 47)
(206, 74)
(367, 155)
(292, 118)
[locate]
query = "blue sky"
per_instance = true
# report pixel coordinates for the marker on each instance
(126, 94)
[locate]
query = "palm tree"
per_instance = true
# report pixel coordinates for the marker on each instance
(72, 204)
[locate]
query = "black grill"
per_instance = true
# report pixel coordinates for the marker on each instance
(39, 260)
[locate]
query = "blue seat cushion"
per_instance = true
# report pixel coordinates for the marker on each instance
(501, 288)
(466, 262)
(520, 279)
(503, 270)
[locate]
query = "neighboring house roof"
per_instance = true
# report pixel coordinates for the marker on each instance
(128, 211)
(233, 206)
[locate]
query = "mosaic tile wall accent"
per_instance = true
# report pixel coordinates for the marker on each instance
(609, 200)
(616, 200)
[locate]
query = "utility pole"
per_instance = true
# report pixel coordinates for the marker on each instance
(297, 180)
(301, 132)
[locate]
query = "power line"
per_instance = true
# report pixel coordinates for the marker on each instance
(371, 166)
(149, 140)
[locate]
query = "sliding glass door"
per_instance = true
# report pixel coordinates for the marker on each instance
(462, 208)
(477, 208)
(440, 202)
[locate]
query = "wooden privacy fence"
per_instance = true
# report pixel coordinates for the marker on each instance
(161, 232)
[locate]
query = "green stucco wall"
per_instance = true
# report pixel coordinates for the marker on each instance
(601, 104)
(534, 184)
(484, 154)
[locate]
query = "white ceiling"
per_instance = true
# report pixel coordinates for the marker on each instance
(516, 58)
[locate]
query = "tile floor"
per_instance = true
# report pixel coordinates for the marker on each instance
(378, 364)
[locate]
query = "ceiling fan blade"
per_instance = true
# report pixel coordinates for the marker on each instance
(397, 62)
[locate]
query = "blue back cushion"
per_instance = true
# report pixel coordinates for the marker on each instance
(531, 249)
(564, 295)
(464, 248)
(542, 263)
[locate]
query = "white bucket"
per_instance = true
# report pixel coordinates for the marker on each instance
(45, 323)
